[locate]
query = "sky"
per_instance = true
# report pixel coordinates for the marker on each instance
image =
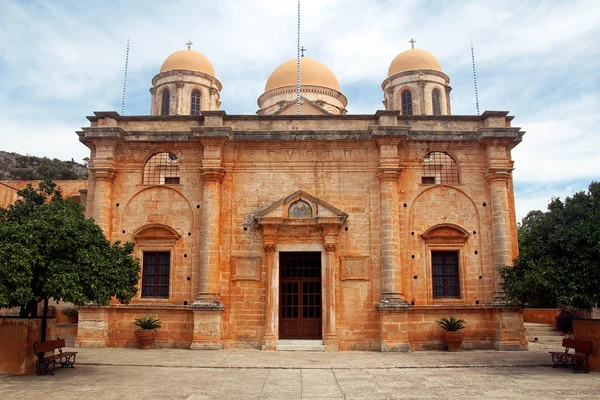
(540, 60)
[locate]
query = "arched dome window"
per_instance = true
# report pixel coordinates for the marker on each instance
(195, 103)
(439, 168)
(165, 102)
(161, 169)
(407, 108)
(435, 101)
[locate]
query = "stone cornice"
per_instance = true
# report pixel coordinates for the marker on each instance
(417, 73)
(303, 89)
(177, 72)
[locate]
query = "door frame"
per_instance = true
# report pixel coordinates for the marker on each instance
(301, 282)
(301, 247)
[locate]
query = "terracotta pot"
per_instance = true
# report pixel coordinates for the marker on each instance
(145, 338)
(453, 340)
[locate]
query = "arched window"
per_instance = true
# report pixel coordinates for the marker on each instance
(439, 169)
(195, 104)
(407, 103)
(161, 169)
(435, 101)
(166, 100)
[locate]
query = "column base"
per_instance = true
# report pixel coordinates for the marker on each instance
(394, 331)
(331, 343)
(207, 327)
(392, 303)
(510, 332)
(269, 342)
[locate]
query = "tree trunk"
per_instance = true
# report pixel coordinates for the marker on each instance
(44, 319)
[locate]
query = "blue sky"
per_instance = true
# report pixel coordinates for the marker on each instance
(540, 60)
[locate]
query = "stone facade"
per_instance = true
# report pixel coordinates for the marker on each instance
(376, 224)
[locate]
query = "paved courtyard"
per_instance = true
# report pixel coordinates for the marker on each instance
(251, 374)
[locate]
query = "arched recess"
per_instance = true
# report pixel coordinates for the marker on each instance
(446, 225)
(161, 222)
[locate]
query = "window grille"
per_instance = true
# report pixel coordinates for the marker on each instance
(444, 266)
(435, 101)
(161, 169)
(155, 274)
(439, 168)
(166, 100)
(407, 108)
(195, 107)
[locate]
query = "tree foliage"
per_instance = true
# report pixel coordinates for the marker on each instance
(559, 254)
(48, 249)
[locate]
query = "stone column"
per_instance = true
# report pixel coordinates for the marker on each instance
(213, 99)
(208, 307)
(179, 98)
(422, 97)
(448, 90)
(391, 100)
(502, 248)
(153, 107)
(271, 310)
(388, 174)
(103, 184)
(208, 292)
(330, 339)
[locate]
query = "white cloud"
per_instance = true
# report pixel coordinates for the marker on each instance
(61, 61)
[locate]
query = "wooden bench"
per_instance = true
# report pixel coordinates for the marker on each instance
(46, 364)
(579, 362)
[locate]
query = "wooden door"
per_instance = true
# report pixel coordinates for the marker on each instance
(300, 295)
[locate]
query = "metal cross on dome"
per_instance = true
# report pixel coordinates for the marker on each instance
(412, 42)
(303, 50)
(189, 44)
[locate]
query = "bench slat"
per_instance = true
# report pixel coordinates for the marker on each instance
(579, 345)
(49, 345)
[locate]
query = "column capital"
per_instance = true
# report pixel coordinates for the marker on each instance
(388, 174)
(270, 246)
(331, 247)
(104, 174)
(152, 90)
(498, 174)
(178, 85)
(213, 174)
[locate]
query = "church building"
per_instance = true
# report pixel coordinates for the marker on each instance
(304, 225)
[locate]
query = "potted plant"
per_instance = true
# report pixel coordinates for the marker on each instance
(453, 336)
(146, 334)
(71, 313)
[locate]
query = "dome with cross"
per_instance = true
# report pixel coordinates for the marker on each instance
(312, 72)
(188, 60)
(413, 59)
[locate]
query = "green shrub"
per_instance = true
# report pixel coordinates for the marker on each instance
(70, 311)
(147, 323)
(452, 324)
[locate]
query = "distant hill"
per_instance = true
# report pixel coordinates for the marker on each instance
(19, 167)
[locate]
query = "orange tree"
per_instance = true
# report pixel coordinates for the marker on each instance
(48, 249)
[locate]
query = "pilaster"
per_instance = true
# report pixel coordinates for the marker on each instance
(271, 311)
(388, 174)
(104, 174)
(331, 241)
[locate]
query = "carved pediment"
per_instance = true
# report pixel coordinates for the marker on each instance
(445, 233)
(156, 232)
(300, 208)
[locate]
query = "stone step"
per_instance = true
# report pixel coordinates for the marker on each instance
(546, 339)
(299, 345)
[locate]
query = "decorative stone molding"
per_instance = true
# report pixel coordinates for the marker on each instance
(356, 268)
(213, 175)
(245, 268)
(392, 304)
(330, 247)
(498, 174)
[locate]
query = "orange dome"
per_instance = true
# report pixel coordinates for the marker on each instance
(312, 72)
(189, 60)
(413, 59)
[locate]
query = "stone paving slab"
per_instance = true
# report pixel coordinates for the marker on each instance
(308, 360)
(207, 375)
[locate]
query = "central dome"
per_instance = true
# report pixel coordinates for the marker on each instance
(413, 59)
(188, 60)
(312, 72)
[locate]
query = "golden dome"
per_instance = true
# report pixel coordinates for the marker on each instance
(189, 60)
(413, 59)
(312, 72)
